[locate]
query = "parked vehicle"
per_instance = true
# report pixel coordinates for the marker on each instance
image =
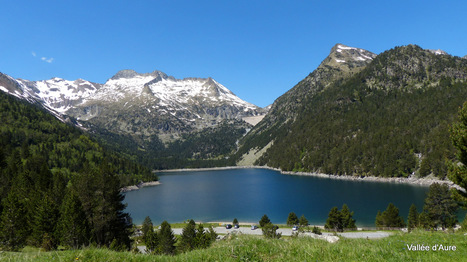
(228, 226)
(294, 228)
(253, 227)
(236, 226)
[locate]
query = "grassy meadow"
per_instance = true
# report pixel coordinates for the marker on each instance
(255, 248)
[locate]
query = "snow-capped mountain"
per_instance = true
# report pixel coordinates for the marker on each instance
(137, 104)
(59, 94)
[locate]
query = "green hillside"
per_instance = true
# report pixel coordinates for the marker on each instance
(390, 119)
(57, 185)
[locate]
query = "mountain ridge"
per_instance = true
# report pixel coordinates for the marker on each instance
(382, 120)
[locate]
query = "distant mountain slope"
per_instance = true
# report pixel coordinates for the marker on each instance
(150, 114)
(29, 135)
(387, 117)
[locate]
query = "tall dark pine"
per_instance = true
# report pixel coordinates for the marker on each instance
(102, 201)
(46, 216)
(188, 237)
(292, 219)
(390, 217)
(147, 226)
(440, 207)
(73, 228)
(13, 225)
(413, 218)
(166, 239)
(458, 173)
(264, 220)
(334, 221)
(302, 221)
(347, 221)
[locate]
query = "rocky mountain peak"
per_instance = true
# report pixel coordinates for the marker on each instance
(126, 73)
(438, 52)
(346, 57)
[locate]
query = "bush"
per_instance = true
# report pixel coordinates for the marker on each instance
(269, 231)
(316, 230)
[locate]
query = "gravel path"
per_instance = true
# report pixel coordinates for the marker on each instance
(288, 232)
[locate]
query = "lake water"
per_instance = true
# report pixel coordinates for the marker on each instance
(248, 194)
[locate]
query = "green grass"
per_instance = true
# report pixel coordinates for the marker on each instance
(254, 248)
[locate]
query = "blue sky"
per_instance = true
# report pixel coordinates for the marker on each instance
(257, 49)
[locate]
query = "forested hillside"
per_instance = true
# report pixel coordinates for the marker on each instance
(390, 119)
(208, 147)
(57, 185)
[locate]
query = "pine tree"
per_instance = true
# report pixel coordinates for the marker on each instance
(412, 219)
(440, 207)
(379, 220)
(425, 221)
(166, 239)
(72, 228)
(390, 217)
(212, 234)
(147, 226)
(102, 201)
(270, 231)
(13, 224)
(152, 242)
(264, 220)
(45, 220)
(334, 221)
(188, 237)
(202, 240)
(302, 221)
(292, 219)
(347, 221)
(458, 173)
(235, 221)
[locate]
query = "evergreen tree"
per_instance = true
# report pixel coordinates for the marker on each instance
(302, 221)
(440, 207)
(235, 221)
(152, 242)
(44, 224)
(390, 217)
(347, 221)
(425, 221)
(99, 193)
(412, 219)
(264, 220)
(166, 239)
(292, 219)
(334, 221)
(458, 173)
(202, 240)
(13, 224)
(379, 220)
(188, 237)
(270, 231)
(72, 228)
(212, 234)
(147, 226)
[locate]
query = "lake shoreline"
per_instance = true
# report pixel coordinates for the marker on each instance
(400, 180)
(139, 186)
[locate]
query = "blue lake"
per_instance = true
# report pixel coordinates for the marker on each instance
(248, 194)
